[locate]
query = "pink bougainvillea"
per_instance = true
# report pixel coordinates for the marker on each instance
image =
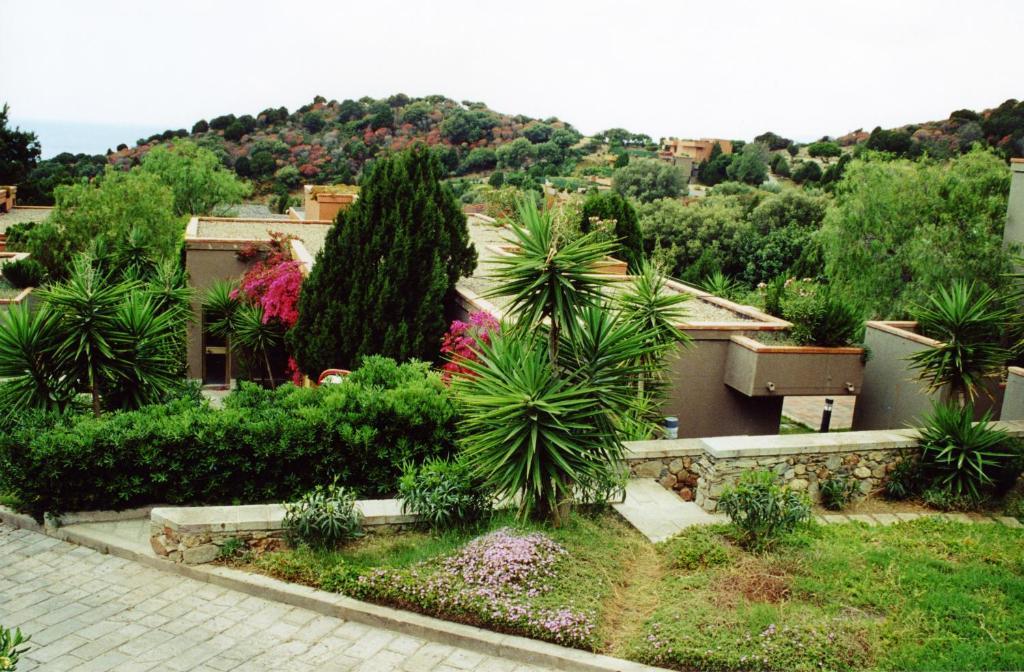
(460, 343)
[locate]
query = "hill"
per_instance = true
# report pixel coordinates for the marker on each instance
(330, 141)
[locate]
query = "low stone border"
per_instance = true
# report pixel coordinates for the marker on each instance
(195, 534)
(518, 649)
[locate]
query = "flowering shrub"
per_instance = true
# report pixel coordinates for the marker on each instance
(491, 581)
(460, 343)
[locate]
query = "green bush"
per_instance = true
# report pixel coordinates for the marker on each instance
(837, 492)
(264, 446)
(945, 499)
(904, 480)
(323, 517)
(443, 492)
(24, 273)
(697, 547)
(761, 510)
(822, 318)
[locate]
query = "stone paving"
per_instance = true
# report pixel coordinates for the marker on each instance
(90, 612)
(807, 411)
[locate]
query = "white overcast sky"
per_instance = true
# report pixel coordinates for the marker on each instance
(713, 68)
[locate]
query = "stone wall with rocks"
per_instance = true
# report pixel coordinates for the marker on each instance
(801, 472)
(198, 548)
(674, 473)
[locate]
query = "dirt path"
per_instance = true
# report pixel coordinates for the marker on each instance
(633, 600)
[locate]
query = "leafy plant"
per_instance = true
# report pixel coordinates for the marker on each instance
(719, 284)
(761, 510)
(24, 273)
(443, 493)
(837, 492)
(12, 645)
(822, 318)
(324, 517)
(968, 321)
(960, 455)
(904, 481)
(945, 499)
(230, 548)
(775, 295)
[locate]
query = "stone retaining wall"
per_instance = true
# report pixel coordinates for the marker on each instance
(195, 535)
(700, 469)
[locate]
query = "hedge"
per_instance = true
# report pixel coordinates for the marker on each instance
(264, 446)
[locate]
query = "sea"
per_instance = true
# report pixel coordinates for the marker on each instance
(75, 137)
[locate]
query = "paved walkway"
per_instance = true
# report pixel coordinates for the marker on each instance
(807, 411)
(90, 612)
(659, 513)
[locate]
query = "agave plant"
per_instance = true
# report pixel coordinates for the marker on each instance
(31, 375)
(719, 284)
(962, 456)
(256, 335)
(968, 321)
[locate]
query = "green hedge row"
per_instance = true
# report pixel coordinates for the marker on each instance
(264, 446)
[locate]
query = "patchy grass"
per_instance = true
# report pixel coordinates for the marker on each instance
(10, 501)
(929, 594)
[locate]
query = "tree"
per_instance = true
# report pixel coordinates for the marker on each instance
(461, 126)
(92, 334)
(546, 400)
(750, 166)
(793, 149)
(201, 185)
(900, 228)
(621, 160)
(824, 149)
(713, 169)
(609, 205)
(234, 131)
(515, 154)
(649, 179)
(107, 211)
(380, 281)
(313, 122)
(480, 158)
(200, 127)
(222, 122)
(895, 142)
(807, 171)
(773, 141)
(779, 165)
(19, 151)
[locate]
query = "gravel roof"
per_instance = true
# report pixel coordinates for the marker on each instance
(21, 215)
(311, 235)
(484, 235)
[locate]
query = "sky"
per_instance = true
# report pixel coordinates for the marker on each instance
(715, 68)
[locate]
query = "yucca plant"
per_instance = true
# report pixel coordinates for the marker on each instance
(719, 284)
(544, 403)
(968, 321)
(547, 280)
(255, 335)
(32, 377)
(658, 312)
(960, 455)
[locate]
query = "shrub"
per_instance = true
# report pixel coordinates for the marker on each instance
(461, 343)
(696, 547)
(761, 510)
(323, 517)
(12, 645)
(24, 273)
(443, 493)
(904, 480)
(822, 318)
(264, 446)
(944, 499)
(961, 456)
(837, 492)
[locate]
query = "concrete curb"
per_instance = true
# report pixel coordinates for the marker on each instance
(518, 649)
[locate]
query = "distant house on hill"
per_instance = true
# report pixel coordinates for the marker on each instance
(324, 202)
(688, 154)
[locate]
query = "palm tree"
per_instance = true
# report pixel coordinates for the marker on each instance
(968, 321)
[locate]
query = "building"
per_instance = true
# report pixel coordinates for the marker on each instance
(324, 202)
(698, 150)
(7, 197)
(212, 253)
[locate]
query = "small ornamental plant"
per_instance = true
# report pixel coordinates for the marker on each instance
(461, 342)
(12, 645)
(493, 580)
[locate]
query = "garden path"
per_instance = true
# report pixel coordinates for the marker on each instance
(92, 612)
(659, 513)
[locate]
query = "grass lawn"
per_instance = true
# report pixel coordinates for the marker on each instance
(929, 594)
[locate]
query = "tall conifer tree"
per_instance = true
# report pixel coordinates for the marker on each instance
(379, 283)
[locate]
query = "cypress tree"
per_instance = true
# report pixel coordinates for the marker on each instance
(380, 281)
(611, 205)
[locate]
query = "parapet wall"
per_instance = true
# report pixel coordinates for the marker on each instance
(701, 468)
